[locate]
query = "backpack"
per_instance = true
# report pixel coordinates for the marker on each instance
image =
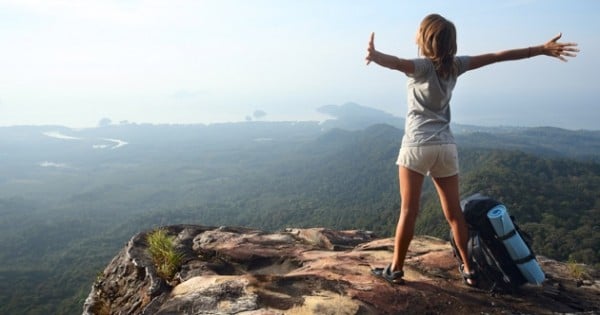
(496, 270)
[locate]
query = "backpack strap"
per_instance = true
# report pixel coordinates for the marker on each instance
(508, 235)
(519, 261)
(470, 246)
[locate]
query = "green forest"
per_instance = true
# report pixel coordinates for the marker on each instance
(61, 225)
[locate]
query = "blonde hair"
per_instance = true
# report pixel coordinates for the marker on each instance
(437, 41)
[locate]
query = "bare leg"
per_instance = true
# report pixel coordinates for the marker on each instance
(410, 194)
(447, 188)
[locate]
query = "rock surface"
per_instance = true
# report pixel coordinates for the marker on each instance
(230, 270)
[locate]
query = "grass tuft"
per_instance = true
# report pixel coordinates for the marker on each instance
(577, 270)
(164, 254)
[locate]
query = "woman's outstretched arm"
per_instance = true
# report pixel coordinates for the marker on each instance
(387, 61)
(552, 48)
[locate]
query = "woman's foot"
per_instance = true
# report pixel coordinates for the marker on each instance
(469, 277)
(393, 277)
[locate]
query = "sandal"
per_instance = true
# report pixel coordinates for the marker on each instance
(393, 277)
(469, 278)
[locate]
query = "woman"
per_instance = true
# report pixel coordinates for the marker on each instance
(428, 146)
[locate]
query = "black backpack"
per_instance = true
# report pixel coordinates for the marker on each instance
(496, 270)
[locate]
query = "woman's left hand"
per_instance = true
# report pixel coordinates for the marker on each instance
(554, 48)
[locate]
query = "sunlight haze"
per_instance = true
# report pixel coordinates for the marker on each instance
(74, 63)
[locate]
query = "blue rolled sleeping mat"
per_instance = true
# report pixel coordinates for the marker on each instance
(514, 244)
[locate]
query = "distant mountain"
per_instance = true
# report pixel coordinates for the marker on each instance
(546, 141)
(352, 116)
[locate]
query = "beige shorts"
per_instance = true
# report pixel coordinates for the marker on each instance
(440, 160)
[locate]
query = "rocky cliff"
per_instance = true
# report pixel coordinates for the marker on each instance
(229, 270)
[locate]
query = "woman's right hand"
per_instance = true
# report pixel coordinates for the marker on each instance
(371, 49)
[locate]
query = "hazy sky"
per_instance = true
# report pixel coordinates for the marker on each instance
(75, 62)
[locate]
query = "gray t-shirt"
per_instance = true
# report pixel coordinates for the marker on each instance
(428, 117)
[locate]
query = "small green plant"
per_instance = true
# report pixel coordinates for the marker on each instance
(164, 254)
(577, 270)
(99, 278)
